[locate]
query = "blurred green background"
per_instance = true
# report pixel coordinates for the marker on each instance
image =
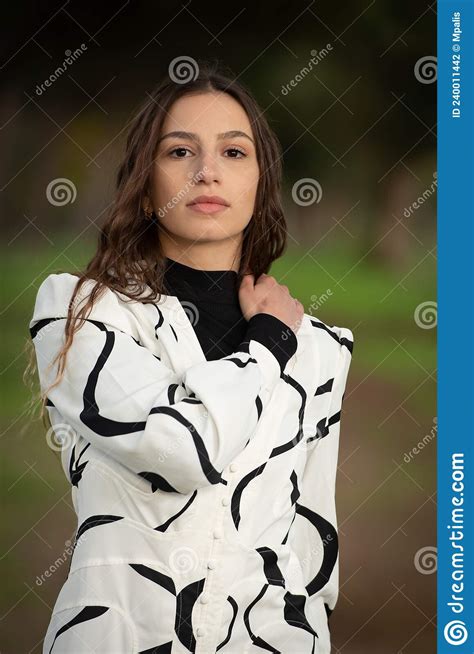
(362, 124)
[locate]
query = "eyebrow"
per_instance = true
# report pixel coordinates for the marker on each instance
(232, 134)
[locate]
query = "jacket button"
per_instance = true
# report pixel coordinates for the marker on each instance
(204, 598)
(217, 533)
(200, 631)
(233, 467)
(211, 565)
(225, 501)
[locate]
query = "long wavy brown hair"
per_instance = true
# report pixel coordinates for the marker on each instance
(129, 243)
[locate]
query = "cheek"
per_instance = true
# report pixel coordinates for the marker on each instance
(246, 184)
(171, 181)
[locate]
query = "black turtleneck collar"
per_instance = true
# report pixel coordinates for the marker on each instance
(220, 285)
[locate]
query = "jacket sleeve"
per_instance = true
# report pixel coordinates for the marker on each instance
(316, 531)
(178, 433)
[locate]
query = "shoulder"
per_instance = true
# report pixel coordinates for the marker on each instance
(334, 346)
(333, 336)
(55, 294)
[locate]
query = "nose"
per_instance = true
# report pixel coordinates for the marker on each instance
(208, 170)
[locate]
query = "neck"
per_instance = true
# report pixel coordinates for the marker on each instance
(202, 257)
(211, 285)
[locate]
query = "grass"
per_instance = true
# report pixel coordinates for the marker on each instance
(333, 286)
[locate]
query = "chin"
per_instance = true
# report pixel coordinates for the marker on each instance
(206, 228)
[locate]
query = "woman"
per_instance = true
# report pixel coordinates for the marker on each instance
(197, 406)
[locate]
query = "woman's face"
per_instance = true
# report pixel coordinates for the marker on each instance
(208, 158)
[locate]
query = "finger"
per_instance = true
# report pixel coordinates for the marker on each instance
(247, 279)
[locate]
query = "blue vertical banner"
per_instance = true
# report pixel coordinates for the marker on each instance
(455, 602)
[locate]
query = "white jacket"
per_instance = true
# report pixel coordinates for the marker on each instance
(204, 490)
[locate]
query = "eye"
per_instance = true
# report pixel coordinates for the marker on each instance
(236, 150)
(238, 154)
(179, 149)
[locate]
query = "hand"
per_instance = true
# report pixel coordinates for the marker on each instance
(268, 296)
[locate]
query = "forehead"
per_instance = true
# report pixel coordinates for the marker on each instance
(207, 114)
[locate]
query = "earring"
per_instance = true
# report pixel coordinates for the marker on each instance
(148, 212)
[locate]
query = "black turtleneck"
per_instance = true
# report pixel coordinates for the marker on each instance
(218, 320)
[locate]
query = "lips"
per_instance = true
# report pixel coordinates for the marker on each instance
(207, 207)
(209, 199)
(208, 204)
